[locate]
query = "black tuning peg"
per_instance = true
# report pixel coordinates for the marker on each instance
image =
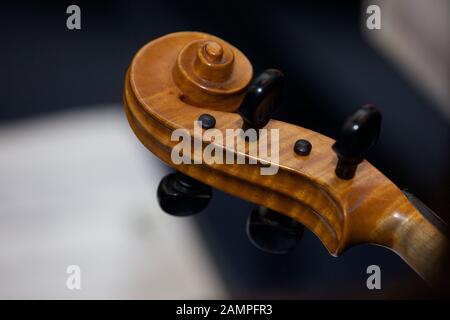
(262, 99)
(359, 133)
(180, 195)
(273, 232)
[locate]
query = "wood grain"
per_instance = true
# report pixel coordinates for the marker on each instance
(366, 209)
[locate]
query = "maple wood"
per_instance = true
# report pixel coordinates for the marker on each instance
(174, 79)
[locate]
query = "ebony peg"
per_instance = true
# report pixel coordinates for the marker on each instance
(262, 99)
(273, 232)
(359, 133)
(181, 195)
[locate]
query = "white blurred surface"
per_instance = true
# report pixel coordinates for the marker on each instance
(78, 188)
(415, 35)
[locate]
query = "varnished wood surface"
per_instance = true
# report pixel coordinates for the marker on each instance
(366, 209)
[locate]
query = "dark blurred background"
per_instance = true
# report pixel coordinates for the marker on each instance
(331, 68)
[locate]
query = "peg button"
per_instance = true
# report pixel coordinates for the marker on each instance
(207, 120)
(302, 147)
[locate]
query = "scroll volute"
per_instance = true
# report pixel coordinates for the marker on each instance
(213, 74)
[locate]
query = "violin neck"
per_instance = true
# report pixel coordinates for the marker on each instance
(422, 243)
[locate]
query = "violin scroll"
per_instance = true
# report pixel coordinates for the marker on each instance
(173, 79)
(211, 74)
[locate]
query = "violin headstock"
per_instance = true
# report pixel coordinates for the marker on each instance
(187, 93)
